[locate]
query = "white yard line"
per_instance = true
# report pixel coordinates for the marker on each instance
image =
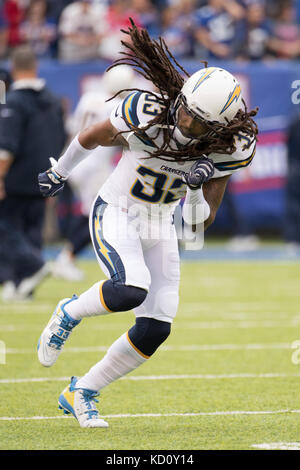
(237, 324)
(257, 316)
(206, 321)
(182, 324)
(250, 306)
(246, 375)
(278, 446)
(158, 415)
(183, 348)
(227, 347)
(21, 308)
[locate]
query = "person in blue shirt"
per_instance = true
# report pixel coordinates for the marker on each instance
(218, 29)
(258, 30)
(177, 26)
(38, 30)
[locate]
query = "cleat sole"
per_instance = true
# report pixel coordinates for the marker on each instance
(66, 412)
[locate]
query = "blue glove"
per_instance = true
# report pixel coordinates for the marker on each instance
(201, 171)
(50, 182)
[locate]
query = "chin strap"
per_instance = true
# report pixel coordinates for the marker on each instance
(173, 129)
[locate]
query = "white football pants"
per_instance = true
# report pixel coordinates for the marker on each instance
(140, 252)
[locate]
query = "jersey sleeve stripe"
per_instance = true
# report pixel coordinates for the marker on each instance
(129, 109)
(145, 140)
(225, 166)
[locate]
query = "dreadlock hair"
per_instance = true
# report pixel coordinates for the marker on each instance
(153, 60)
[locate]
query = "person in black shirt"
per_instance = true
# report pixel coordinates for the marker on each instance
(291, 224)
(31, 131)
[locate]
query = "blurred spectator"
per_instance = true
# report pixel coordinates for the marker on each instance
(6, 77)
(116, 18)
(81, 29)
(285, 39)
(257, 32)
(273, 7)
(177, 27)
(160, 4)
(148, 16)
(13, 13)
(297, 10)
(37, 30)
(55, 8)
(218, 29)
(31, 130)
(3, 34)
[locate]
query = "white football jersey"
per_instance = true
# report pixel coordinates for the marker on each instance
(140, 179)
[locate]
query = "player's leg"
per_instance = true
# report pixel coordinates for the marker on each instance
(132, 349)
(26, 267)
(121, 358)
(155, 315)
(33, 227)
(121, 258)
(153, 322)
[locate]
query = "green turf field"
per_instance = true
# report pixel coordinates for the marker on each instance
(224, 379)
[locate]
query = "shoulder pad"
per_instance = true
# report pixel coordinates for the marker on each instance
(242, 157)
(136, 110)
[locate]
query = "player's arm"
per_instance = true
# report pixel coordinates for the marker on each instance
(213, 192)
(204, 194)
(207, 185)
(214, 188)
(103, 134)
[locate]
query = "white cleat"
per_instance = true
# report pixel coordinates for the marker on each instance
(9, 291)
(243, 243)
(27, 285)
(80, 402)
(24, 291)
(65, 268)
(55, 334)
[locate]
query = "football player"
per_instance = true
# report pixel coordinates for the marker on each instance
(185, 140)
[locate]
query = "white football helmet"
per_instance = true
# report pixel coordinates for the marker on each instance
(212, 94)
